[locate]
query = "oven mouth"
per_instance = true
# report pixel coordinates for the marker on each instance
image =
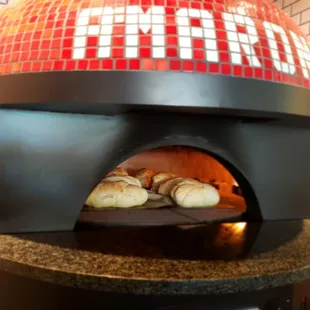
(237, 200)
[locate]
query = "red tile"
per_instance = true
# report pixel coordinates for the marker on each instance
(147, 64)
(188, 65)
(183, 4)
(134, 64)
(92, 41)
(18, 37)
(14, 57)
(69, 32)
(33, 19)
(58, 65)
(237, 70)
(199, 54)
(117, 52)
(70, 22)
(224, 57)
(34, 55)
(94, 64)
(171, 3)
(49, 25)
(219, 24)
(172, 40)
(208, 6)
(195, 22)
(145, 52)
(47, 65)
(26, 66)
(201, 67)
(248, 72)
(198, 43)
(56, 43)
(225, 69)
(116, 41)
(196, 5)
(107, 64)
(172, 52)
(221, 35)
(58, 33)
(35, 45)
(16, 47)
(68, 42)
(27, 37)
(120, 64)
(83, 64)
(214, 68)
(45, 44)
(162, 65)
(258, 73)
(91, 53)
(171, 30)
(268, 75)
(37, 35)
(36, 66)
(24, 56)
(145, 40)
(170, 20)
(70, 65)
(268, 64)
(25, 46)
(159, 2)
(67, 54)
(55, 54)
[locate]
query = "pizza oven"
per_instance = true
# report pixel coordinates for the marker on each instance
(212, 91)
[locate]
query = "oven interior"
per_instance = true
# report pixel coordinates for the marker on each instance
(182, 162)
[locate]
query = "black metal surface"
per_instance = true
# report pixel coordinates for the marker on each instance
(50, 162)
(158, 217)
(121, 92)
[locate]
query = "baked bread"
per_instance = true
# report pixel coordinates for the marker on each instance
(145, 177)
(160, 177)
(116, 195)
(189, 195)
(117, 171)
(128, 179)
(165, 187)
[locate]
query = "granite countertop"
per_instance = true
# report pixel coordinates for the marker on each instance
(216, 258)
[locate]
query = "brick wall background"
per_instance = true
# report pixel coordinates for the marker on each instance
(299, 11)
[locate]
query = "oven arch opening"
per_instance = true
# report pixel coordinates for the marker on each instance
(237, 199)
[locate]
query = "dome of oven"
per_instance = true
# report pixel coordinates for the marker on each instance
(248, 38)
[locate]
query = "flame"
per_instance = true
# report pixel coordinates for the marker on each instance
(235, 227)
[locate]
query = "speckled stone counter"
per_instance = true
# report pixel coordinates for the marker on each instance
(208, 259)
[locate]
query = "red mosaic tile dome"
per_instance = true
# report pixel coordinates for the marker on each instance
(249, 38)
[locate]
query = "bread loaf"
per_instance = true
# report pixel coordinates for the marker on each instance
(189, 195)
(117, 195)
(117, 171)
(160, 177)
(165, 187)
(128, 179)
(145, 177)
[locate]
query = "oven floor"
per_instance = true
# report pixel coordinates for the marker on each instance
(230, 209)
